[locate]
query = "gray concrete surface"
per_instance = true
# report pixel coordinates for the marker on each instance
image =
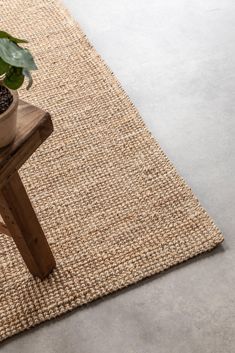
(175, 58)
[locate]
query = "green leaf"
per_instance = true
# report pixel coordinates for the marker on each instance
(27, 74)
(13, 39)
(14, 55)
(14, 78)
(4, 67)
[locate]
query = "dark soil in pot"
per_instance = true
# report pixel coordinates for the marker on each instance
(6, 99)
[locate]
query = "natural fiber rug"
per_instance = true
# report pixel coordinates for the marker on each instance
(112, 205)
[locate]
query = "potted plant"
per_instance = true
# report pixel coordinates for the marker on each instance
(15, 64)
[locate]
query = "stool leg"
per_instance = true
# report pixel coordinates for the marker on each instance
(21, 220)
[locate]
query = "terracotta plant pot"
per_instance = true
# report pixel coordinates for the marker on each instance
(8, 122)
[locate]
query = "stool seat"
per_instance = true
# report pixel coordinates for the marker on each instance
(34, 125)
(19, 219)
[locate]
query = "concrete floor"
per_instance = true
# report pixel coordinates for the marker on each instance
(175, 58)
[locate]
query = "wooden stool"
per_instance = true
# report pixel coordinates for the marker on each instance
(21, 223)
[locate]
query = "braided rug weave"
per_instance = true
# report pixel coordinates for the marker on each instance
(112, 205)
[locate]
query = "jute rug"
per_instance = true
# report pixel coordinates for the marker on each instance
(112, 205)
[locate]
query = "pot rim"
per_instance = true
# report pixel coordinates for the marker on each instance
(13, 105)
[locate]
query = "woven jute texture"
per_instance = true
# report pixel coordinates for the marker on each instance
(113, 207)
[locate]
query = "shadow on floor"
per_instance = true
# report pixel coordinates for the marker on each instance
(218, 250)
